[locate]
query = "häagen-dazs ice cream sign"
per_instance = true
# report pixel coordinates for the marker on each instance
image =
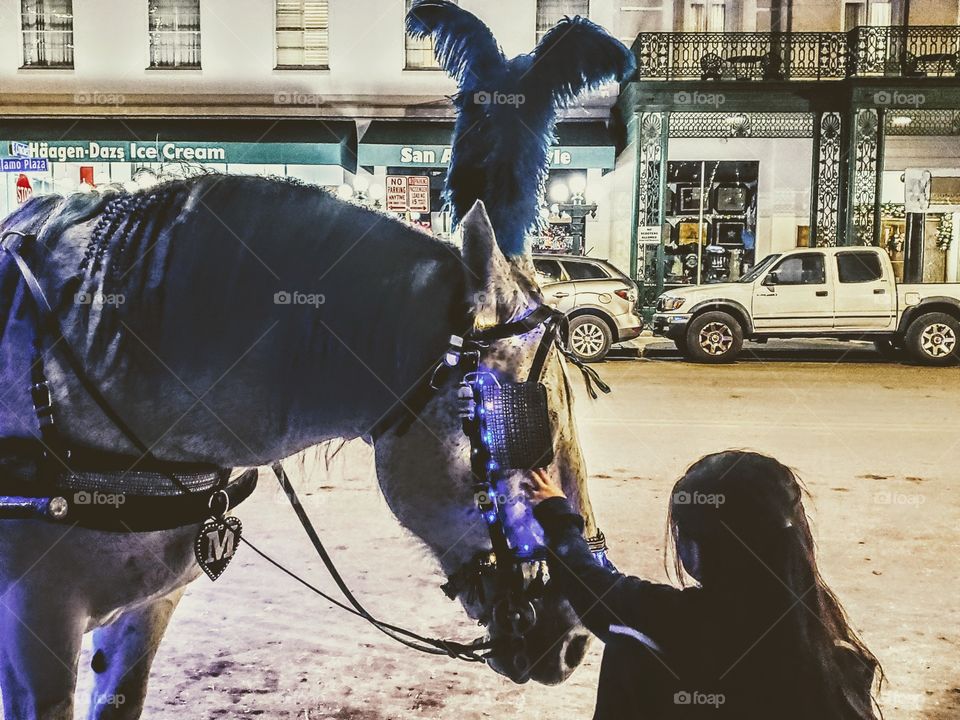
(125, 151)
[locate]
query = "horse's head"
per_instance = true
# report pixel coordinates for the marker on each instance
(425, 473)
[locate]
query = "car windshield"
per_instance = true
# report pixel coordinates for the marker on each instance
(759, 269)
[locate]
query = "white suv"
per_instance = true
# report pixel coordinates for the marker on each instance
(600, 301)
(844, 293)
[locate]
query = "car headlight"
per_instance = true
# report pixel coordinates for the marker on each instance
(672, 303)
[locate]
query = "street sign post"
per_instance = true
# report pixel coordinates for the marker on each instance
(396, 193)
(418, 194)
(22, 164)
(408, 193)
(19, 149)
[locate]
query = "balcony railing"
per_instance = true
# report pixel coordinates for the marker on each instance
(927, 51)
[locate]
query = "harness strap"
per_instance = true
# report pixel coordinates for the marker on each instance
(531, 321)
(50, 324)
(411, 639)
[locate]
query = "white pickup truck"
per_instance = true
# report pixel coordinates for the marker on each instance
(844, 293)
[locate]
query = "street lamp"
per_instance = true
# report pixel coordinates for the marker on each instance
(569, 198)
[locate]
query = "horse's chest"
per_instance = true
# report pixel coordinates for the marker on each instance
(99, 573)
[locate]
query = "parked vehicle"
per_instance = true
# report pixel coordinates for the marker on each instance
(843, 293)
(599, 299)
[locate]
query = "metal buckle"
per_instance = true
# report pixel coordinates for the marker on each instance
(13, 240)
(222, 493)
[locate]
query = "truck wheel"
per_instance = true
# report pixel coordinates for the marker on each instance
(934, 339)
(714, 337)
(590, 338)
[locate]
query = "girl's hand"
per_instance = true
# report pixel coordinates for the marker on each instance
(540, 487)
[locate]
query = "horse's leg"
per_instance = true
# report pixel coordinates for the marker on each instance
(123, 652)
(39, 647)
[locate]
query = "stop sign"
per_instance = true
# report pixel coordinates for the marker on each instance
(24, 189)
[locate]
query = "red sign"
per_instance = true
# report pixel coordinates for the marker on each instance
(418, 194)
(24, 189)
(396, 193)
(86, 175)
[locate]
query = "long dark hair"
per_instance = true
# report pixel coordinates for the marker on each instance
(745, 513)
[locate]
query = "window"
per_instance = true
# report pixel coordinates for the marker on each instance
(47, 33)
(419, 52)
(303, 33)
(548, 270)
(584, 271)
(867, 12)
(174, 33)
(859, 267)
(706, 16)
(550, 12)
(806, 269)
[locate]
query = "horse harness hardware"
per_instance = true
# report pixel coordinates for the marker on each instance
(100, 490)
(509, 428)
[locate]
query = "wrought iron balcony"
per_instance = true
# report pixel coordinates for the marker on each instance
(922, 51)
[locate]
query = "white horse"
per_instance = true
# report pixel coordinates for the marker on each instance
(206, 365)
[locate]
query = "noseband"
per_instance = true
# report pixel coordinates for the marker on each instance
(509, 428)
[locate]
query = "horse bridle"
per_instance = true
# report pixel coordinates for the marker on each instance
(521, 572)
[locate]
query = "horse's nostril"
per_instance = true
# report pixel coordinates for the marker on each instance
(576, 649)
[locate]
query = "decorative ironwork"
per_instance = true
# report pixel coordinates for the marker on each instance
(651, 157)
(917, 51)
(754, 125)
(866, 143)
(742, 55)
(921, 122)
(826, 209)
(652, 141)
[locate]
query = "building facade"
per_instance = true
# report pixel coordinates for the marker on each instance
(751, 126)
(329, 91)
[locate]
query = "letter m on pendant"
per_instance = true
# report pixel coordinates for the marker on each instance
(221, 544)
(216, 544)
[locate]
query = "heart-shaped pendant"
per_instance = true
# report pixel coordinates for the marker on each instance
(216, 545)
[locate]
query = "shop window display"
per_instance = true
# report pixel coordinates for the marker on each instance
(712, 217)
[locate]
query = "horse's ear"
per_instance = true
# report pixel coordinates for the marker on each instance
(491, 283)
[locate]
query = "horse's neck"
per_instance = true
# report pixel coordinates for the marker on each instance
(294, 317)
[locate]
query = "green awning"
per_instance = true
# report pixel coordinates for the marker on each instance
(233, 141)
(424, 144)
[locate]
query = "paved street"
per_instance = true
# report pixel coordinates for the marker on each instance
(876, 443)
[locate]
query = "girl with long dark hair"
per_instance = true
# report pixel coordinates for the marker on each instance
(759, 635)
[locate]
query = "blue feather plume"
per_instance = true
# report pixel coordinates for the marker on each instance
(507, 109)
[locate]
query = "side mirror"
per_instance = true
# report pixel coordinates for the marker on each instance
(771, 279)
